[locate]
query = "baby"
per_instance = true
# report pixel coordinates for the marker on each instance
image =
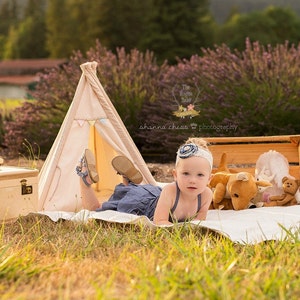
(187, 198)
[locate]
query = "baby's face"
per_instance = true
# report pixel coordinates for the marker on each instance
(192, 174)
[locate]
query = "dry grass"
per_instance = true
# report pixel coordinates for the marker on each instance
(40, 259)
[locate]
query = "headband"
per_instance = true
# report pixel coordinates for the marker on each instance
(191, 149)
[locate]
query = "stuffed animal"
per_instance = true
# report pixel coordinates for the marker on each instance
(260, 198)
(233, 190)
(290, 187)
(272, 166)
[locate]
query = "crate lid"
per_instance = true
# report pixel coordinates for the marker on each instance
(10, 172)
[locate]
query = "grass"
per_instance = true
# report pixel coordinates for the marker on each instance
(8, 105)
(40, 259)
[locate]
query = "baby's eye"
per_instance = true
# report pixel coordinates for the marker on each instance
(185, 173)
(200, 174)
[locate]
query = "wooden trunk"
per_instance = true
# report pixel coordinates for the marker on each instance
(18, 192)
(243, 152)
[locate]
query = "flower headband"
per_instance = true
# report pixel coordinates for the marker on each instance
(191, 149)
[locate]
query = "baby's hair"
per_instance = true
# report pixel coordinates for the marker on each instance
(200, 148)
(201, 143)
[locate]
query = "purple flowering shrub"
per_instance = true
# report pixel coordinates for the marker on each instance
(38, 121)
(249, 93)
(220, 93)
(129, 79)
(256, 91)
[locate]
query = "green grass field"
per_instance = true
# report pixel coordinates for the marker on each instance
(40, 259)
(8, 105)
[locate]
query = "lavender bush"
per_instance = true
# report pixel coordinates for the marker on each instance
(39, 121)
(249, 93)
(256, 91)
(130, 80)
(218, 93)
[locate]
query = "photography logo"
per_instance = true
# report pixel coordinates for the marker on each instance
(186, 98)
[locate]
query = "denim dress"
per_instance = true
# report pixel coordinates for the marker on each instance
(133, 199)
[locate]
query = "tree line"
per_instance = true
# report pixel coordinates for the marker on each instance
(171, 30)
(222, 9)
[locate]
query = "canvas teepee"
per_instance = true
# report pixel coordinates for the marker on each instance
(91, 122)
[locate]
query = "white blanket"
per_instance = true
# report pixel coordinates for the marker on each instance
(248, 226)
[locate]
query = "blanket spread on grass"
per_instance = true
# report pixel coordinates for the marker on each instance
(248, 226)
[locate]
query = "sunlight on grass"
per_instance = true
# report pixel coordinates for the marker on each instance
(8, 105)
(18, 265)
(98, 260)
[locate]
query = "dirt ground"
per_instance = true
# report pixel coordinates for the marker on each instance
(161, 172)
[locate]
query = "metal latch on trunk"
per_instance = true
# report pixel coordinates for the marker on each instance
(25, 189)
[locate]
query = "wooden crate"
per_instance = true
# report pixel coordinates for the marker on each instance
(243, 152)
(18, 192)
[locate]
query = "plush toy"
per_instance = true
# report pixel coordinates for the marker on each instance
(260, 198)
(233, 190)
(290, 187)
(272, 166)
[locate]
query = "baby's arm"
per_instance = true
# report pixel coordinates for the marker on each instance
(206, 198)
(164, 204)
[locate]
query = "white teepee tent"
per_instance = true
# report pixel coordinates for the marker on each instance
(91, 122)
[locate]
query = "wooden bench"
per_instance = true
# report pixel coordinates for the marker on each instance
(243, 152)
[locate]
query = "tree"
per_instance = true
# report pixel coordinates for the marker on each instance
(59, 29)
(118, 23)
(80, 12)
(286, 24)
(221, 9)
(178, 28)
(272, 26)
(71, 26)
(27, 39)
(9, 49)
(9, 17)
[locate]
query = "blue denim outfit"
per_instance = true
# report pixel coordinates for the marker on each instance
(133, 199)
(140, 200)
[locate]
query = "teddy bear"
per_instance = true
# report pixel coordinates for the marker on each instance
(290, 187)
(233, 190)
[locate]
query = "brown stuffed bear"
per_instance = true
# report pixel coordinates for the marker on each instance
(290, 187)
(233, 190)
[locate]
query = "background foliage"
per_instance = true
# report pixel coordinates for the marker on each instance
(157, 58)
(271, 26)
(253, 92)
(55, 28)
(223, 9)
